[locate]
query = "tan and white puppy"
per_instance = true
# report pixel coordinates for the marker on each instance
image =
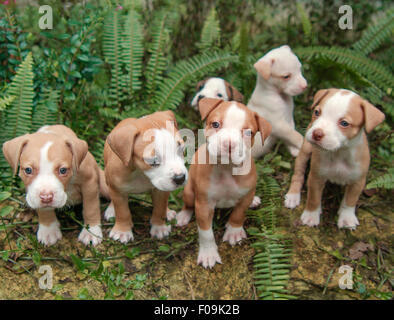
(216, 88)
(337, 143)
(143, 155)
(279, 78)
(58, 170)
(214, 179)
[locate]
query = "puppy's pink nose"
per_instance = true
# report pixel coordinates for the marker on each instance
(317, 134)
(303, 85)
(46, 197)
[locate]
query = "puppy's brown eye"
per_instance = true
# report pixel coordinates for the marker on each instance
(287, 76)
(215, 124)
(316, 112)
(219, 95)
(63, 170)
(28, 170)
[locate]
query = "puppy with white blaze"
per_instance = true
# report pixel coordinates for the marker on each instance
(219, 88)
(143, 155)
(279, 78)
(216, 88)
(222, 173)
(58, 170)
(337, 144)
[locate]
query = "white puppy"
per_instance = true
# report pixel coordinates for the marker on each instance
(279, 78)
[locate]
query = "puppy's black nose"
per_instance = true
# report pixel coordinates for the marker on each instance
(179, 179)
(200, 97)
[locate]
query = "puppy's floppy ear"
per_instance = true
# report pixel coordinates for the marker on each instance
(206, 105)
(232, 93)
(79, 149)
(168, 115)
(263, 67)
(265, 127)
(12, 151)
(372, 115)
(319, 96)
(121, 142)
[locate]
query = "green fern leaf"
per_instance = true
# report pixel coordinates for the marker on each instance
(210, 34)
(157, 62)
(185, 72)
(385, 181)
(112, 48)
(376, 34)
(306, 23)
(46, 112)
(133, 51)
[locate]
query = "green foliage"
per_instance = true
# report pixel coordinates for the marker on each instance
(210, 34)
(385, 181)
(376, 34)
(46, 111)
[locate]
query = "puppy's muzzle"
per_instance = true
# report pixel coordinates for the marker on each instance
(46, 197)
(317, 134)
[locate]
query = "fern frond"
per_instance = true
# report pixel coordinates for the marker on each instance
(112, 48)
(46, 111)
(157, 62)
(133, 51)
(5, 102)
(366, 68)
(210, 34)
(18, 115)
(385, 181)
(185, 72)
(376, 34)
(306, 23)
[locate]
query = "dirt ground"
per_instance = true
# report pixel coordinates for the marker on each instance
(169, 267)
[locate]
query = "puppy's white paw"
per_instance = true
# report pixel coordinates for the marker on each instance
(49, 235)
(292, 200)
(255, 203)
(92, 235)
(160, 231)
(208, 257)
(171, 214)
(122, 236)
(234, 235)
(347, 218)
(311, 218)
(109, 212)
(294, 151)
(183, 217)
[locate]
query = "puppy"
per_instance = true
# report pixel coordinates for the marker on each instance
(143, 155)
(230, 130)
(216, 88)
(337, 143)
(58, 170)
(279, 78)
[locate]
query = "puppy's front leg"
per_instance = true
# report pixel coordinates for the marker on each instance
(208, 254)
(91, 212)
(234, 228)
(347, 212)
(311, 214)
(159, 228)
(48, 227)
(123, 223)
(293, 196)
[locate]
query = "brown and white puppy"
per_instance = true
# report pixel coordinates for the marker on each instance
(216, 88)
(58, 170)
(230, 130)
(143, 155)
(337, 143)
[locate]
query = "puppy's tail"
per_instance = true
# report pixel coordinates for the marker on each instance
(104, 191)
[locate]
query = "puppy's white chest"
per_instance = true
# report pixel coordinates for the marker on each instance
(137, 183)
(224, 192)
(342, 169)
